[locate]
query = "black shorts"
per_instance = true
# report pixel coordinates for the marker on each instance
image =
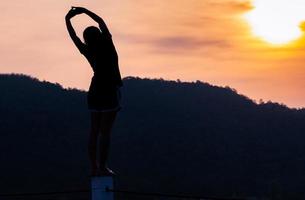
(103, 99)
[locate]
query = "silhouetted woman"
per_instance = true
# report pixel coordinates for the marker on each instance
(104, 95)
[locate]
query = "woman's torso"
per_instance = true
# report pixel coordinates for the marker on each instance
(103, 60)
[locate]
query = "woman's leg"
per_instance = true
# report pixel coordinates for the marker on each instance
(107, 120)
(92, 143)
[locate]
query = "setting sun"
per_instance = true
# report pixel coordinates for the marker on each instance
(277, 21)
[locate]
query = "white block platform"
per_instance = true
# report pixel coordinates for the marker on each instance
(98, 188)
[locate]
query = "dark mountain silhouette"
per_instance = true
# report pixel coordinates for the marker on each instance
(170, 136)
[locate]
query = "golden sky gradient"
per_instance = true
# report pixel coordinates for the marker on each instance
(209, 40)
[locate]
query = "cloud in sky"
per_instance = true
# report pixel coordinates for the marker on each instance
(178, 44)
(186, 44)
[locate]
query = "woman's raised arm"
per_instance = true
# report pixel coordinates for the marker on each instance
(79, 44)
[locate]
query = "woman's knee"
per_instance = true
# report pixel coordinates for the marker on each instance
(107, 121)
(95, 123)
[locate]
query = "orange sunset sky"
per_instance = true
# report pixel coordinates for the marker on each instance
(254, 46)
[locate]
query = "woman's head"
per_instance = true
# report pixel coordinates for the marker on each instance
(92, 35)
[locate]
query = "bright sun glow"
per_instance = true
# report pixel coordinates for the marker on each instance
(277, 21)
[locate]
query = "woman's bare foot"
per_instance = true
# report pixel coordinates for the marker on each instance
(95, 169)
(105, 171)
(95, 172)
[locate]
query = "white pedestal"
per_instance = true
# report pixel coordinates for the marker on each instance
(98, 188)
